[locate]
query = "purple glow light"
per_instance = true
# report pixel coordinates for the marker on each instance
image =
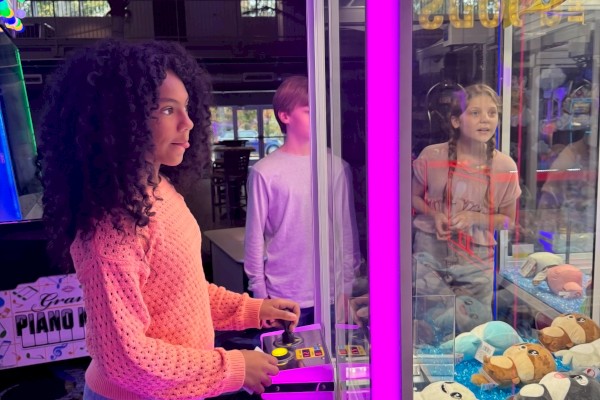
(382, 27)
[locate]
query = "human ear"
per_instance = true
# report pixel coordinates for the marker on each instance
(455, 121)
(283, 117)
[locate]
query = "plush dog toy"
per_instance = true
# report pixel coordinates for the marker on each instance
(582, 356)
(536, 262)
(521, 363)
(444, 391)
(560, 386)
(568, 330)
(564, 280)
(498, 334)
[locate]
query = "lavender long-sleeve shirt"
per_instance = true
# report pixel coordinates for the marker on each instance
(279, 226)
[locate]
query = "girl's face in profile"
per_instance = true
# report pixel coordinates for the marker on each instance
(479, 121)
(170, 124)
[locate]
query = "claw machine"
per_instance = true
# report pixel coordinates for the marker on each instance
(498, 143)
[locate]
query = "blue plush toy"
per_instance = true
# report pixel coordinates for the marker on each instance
(498, 334)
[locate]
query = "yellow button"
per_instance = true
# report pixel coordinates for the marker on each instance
(279, 352)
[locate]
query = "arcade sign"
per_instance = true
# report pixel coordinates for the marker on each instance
(493, 12)
(42, 322)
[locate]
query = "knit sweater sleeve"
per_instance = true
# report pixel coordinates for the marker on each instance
(233, 311)
(117, 324)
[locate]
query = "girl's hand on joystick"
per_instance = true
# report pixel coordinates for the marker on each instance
(274, 311)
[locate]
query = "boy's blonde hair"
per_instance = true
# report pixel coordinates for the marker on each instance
(292, 93)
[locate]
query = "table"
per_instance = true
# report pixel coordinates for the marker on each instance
(227, 249)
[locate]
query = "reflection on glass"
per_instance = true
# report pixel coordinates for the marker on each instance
(543, 59)
(463, 190)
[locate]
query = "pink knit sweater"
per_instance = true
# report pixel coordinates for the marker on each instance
(151, 314)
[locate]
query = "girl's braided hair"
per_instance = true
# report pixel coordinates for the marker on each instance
(460, 102)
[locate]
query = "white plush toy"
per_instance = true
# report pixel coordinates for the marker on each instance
(445, 391)
(582, 356)
(536, 262)
(561, 386)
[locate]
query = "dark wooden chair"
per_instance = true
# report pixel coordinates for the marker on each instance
(228, 183)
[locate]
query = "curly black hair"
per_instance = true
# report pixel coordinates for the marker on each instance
(94, 136)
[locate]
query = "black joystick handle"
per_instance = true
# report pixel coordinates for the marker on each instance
(288, 336)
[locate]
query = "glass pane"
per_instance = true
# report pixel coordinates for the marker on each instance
(43, 9)
(554, 138)
(66, 8)
(346, 161)
(504, 186)
(247, 130)
(94, 8)
(258, 8)
(222, 123)
(271, 131)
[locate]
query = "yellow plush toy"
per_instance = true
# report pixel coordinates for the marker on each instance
(568, 330)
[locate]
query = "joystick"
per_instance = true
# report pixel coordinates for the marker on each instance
(287, 337)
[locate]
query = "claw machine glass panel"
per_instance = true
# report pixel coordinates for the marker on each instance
(354, 156)
(20, 189)
(504, 178)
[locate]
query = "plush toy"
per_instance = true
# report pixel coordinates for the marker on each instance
(582, 356)
(564, 280)
(560, 386)
(568, 330)
(498, 334)
(533, 391)
(536, 262)
(500, 370)
(530, 360)
(445, 391)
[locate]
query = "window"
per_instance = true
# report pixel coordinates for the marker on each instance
(256, 125)
(258, 8)
(70, 8)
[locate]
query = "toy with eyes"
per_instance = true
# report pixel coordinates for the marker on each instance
(520, 364)
(560, 386)
(568, 330)
(444, 391)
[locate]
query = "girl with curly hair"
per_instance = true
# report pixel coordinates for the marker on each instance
(123, 123)
(462, 191)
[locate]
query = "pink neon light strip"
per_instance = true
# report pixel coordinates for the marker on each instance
(382, 18)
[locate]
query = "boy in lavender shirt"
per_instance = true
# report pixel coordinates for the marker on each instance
(279, 220)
